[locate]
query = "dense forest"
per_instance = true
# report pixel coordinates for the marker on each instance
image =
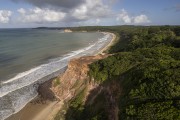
(143, 75)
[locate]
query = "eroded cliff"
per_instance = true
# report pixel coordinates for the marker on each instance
(75, 78)
(76, 88)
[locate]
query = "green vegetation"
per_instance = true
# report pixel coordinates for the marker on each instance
(56, 82)
(148, 68)
(146, 65)
(76, 106)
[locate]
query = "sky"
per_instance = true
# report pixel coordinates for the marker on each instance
(66, 13)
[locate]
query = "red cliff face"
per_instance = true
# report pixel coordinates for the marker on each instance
(75, 80)
(75, 77)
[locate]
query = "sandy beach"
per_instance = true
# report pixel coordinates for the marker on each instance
(107, 46)
(48, 109)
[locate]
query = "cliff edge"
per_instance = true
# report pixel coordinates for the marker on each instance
(75, 77)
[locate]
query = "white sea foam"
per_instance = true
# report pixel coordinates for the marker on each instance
(20, 89)
(21, 75)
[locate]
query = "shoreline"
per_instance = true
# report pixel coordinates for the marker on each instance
(106, 47)
(47, 110)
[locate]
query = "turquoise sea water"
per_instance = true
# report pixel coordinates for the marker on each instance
(29, 57)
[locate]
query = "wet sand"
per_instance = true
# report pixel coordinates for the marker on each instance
(33, 111)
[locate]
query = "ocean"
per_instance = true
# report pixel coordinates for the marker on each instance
(29, 57)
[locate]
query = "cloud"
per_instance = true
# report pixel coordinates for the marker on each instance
(127, 19)
(84, 11)
(5, 16)
(98, 21)
(123, 16)
(91, 9)
(141, 19)
(38, 15)
(58, 3)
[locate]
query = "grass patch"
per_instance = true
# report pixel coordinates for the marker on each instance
(74, 107)
(56, 82)
(61, 114)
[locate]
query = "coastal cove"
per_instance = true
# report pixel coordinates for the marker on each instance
(93, 49)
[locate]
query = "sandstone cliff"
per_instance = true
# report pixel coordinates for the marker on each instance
(75, 77)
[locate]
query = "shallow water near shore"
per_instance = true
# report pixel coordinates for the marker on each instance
(42, 54)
